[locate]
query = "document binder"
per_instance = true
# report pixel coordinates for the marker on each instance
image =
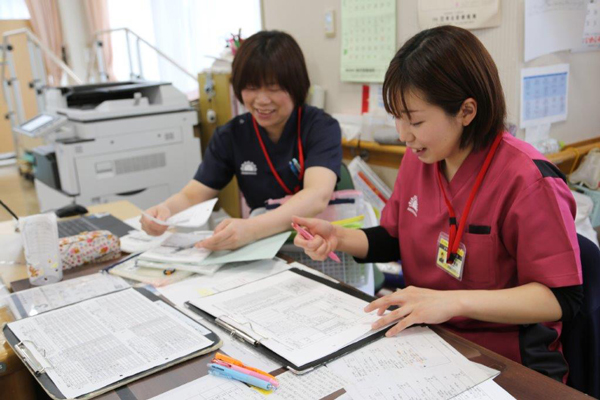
(250, 336)
(36, 367)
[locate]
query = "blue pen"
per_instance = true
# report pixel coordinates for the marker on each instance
(294, 170)
(296, 164)
(223, 372)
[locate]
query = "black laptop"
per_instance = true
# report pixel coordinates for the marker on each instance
(94, 222)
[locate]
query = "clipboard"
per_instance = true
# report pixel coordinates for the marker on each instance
(37, 370)
(297, 369)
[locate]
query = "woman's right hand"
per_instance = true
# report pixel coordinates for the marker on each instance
(160, 212)
(324, 241)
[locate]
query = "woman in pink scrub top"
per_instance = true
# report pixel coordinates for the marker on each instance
(483, 224)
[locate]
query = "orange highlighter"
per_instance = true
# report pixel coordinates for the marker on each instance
(233, 361)
(307, 235)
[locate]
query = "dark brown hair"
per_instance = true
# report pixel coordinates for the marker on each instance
(447, 65)
(267, 58)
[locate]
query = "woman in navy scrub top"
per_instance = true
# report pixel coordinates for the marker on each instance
(280, 147)
(482, 222)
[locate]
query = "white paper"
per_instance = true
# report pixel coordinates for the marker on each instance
(229, 277)
(45, 298)
(183, 318)
(553, 25)
(92, 344)
(139, 241)
(193, 217)
(312, 385)
(179, 248)
(415, 364)
(300, 319)
(211, 388)
(488, 390)
(468, 14)
(544, 95)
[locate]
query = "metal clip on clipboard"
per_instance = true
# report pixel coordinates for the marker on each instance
(29, 359)
(236, 332)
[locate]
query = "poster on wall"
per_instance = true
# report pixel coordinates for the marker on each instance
(468, 14)
(368, 39)
(544, 93)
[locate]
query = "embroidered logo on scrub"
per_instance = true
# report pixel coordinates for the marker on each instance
(248, 168)
(413, 205)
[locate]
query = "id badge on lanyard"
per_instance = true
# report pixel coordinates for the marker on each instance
(454, 268)
(451, 252)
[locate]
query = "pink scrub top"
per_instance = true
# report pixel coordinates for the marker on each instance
(520, 229)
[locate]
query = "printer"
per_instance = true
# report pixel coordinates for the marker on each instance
(114, 141)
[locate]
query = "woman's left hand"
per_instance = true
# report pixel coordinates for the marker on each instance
(229, 234)
(416, 306)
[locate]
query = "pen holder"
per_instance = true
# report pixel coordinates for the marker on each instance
(40, 242)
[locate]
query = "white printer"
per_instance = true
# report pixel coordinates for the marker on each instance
(120, 141)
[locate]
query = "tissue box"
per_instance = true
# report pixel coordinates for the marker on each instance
(87, 247)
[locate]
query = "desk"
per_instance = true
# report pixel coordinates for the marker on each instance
(519, 381)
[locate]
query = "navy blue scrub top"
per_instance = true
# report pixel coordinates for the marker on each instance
(234, 149)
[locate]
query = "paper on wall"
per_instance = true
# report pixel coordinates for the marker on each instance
(468, 14)
(553, 25)
(368, 39)
(544, 95)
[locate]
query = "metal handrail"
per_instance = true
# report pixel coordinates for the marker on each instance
(64, 67)
(138, 40)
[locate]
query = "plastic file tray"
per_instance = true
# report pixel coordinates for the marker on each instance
(348, 271)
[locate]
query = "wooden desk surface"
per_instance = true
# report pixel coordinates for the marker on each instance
(519, 381)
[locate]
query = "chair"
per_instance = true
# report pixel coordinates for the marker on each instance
(345, 182)
(581, 336)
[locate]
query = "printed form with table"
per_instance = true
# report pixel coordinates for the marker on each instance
(168, 303)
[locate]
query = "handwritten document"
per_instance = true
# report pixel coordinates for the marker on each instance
(211, 388)
(97, 342)
(488, 390)
(417, 364)
(298, 318)
(312, 385)
(228, 277)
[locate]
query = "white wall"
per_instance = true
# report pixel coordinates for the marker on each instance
(305, 22)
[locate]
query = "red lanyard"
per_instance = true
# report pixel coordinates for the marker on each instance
(300, 156)
(456, 232)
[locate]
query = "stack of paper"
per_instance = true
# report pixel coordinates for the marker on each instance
(178, 252)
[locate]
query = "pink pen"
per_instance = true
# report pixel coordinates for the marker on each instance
(243, 370)
(308, 236)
